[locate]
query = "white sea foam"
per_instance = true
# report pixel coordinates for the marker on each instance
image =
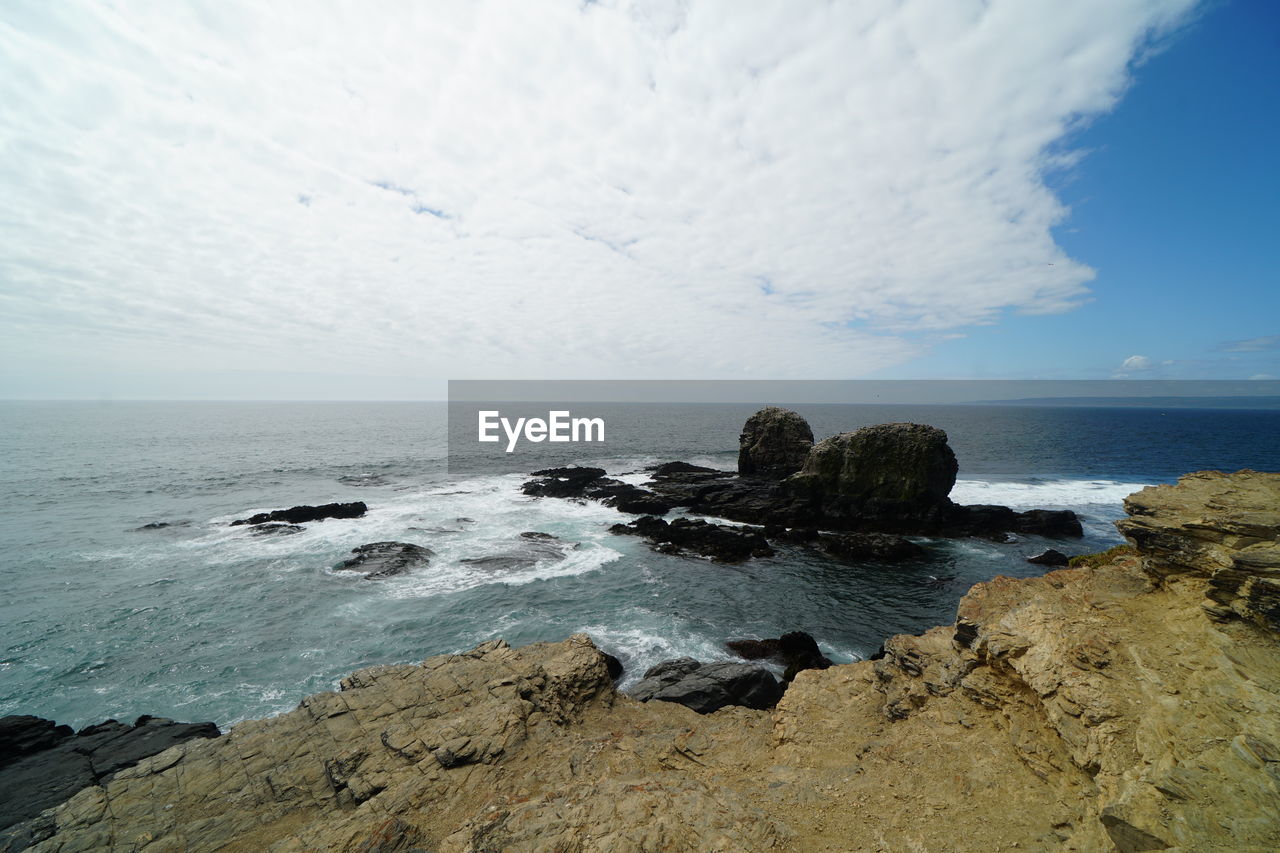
(1068, 494)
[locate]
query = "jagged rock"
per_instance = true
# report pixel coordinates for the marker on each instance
(870, 546)
(1219, 526)
(721, 543)
(796, 650)
(614, 665)
(1049, 557)
(386, 559)
(774, 443)
(304, 513)
(493, 749)
(21, 735)
(708, 687)
(591, 483)
(50, 765)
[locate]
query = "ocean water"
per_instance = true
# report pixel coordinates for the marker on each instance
(202, 621)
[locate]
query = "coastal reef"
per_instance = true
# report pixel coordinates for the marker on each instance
(1128, 705)
(889, 479)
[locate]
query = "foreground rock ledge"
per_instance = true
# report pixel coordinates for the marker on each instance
(1113, 707)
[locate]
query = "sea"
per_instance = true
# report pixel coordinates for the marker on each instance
(104, 617)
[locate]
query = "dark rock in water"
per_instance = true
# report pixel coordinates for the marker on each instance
(1057, 523)
(901, 470)
(870, 546)
(305, 513)
(571, 472)
(707, 687)
(796, 651)
(720, 542)
(1049, 557)
(40, 778)
(276, 528)
(531, 548)
(462, 519)
(569, 482)
(614, 665)
(668, 468)
(774, 443)
(387, 559)
(155, 525)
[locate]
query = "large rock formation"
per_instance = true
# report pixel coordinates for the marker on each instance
(305, 512)
(890, 471)
(774, 443)
(1096, 708)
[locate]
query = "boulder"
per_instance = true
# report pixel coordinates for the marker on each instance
(707, 687)
(1049, 557)
(51, 764)
(720, 542)
(774, 443)
(386, 559)
(304, 513)
(901, 470)
(796, 651)
(667, 469)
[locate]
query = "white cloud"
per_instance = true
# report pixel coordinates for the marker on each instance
(1136, 362)
(540, 188)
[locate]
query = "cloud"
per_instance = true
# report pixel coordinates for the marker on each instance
(543, 188)
(1136, 362)
(1267, 343)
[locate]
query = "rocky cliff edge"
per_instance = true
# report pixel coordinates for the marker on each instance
(1132, 706)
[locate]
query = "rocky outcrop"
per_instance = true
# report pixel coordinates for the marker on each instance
(592, 484)
(774, 443)
(891, 470)
(1221, 527)
(720, 542)
(304, 513)
(1097, 708)
(884, 547)
(43, 764)
(708, 687)
(796, 650)
(386, 559)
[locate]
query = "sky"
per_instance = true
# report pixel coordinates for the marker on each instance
(337, 200)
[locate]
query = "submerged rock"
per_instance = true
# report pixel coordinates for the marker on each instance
(774, 443)
(707, 687)
(870, 546)
(304, 513)
(720, 542)
(44, 764)
(531, 548)
(387, 559)
(276, 528)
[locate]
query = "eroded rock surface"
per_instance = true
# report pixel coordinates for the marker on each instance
(774, 443)
(305, 512)
(1092, 709)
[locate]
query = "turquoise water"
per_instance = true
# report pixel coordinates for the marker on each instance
(199, 620)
